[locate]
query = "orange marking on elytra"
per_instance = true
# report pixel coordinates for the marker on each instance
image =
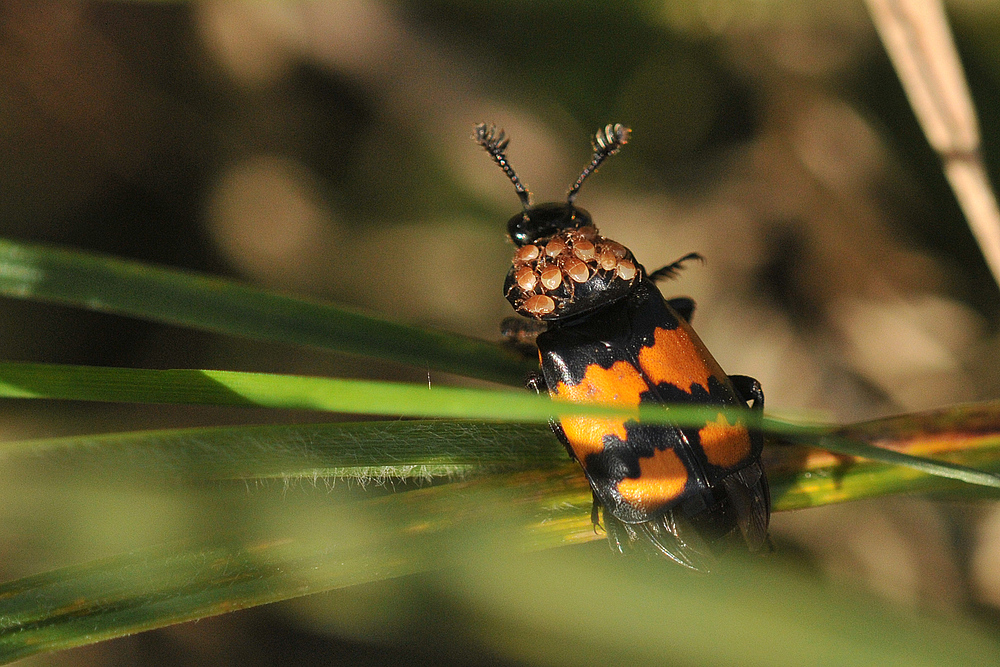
(725, 444)
(620, 384)
(678, 357)
(586, 434)
(661, 479)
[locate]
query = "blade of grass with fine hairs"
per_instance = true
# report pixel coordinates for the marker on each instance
(355, 396)
(399, 450)
(374, 451)
(965, 436)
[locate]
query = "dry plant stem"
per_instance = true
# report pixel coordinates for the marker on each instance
(919, 42)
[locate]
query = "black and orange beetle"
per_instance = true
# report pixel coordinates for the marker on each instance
(611, 337)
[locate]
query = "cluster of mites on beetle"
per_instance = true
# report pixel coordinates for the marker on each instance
(605, 334)
(544, 277)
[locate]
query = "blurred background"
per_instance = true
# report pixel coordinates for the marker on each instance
(323, 148)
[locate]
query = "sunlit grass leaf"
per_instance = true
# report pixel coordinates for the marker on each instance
(109, 284)
(114, 285)
(965, 435)
(355, 396)
(270, 390)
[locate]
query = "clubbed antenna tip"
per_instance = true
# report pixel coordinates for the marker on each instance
(495, 143)
(607, 141)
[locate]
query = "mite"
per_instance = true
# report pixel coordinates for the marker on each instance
(610, 337)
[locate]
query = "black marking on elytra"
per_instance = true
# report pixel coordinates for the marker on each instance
(569, 349)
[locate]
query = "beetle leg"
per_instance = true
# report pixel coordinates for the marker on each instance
(749, 390)
(621, 536)
(684, 305)
(519, 334)
(536, 383)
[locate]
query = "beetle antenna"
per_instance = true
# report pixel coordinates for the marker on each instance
(606, 142)
(495, 144)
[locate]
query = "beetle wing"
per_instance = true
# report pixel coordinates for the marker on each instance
(597, 360)
(655, 479)
(692, 541)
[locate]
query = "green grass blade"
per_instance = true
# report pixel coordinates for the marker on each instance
(375, 539)
(804, 477)
(384, 451)
(966, 435)
(825, 437)
(177, 297)
(362, 451)
(800, 481)
(470, 534)
(841, 445)
(188, 386)
(20, 380)
(108, 284)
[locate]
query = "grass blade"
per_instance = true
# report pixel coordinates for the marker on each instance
(376, 539)
(364, 451)
(384, 451)
(112, 285)
(384, 398)
(966, 435)
(188, 386)
(417, 531)
(470, 534)
(840, 445)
